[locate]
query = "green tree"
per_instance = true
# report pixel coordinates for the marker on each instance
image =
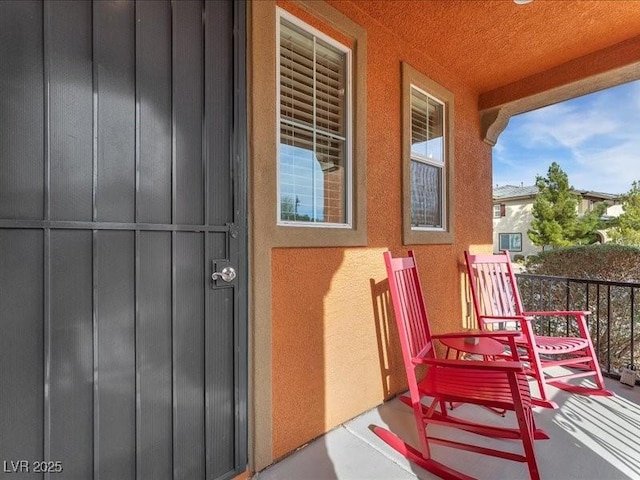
(555, 217)
(289, 210)
(627, 232)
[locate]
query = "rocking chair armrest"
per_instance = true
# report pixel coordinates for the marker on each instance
(558, 313)
(483, 333)
(515, 318)
(500, 365)
(507, 318)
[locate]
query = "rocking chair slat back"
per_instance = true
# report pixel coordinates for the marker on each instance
(409, 307)
(492, 285)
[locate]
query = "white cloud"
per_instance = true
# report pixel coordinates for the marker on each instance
(610, 170)
(568, 126)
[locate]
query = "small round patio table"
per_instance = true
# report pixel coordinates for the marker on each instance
(486, 347)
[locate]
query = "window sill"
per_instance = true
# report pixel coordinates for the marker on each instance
(418, 237)
(309, 236)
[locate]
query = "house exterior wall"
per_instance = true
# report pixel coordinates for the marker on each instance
(319, 341)
(615, 210)
(584, 205)
(517, 219)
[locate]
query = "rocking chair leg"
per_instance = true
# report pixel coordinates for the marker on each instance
(538, 402)
(536, 366)
(596, 368)
(524, 415)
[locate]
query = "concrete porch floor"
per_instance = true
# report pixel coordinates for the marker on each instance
(591, 438)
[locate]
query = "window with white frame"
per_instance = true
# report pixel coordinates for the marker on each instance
(510, 241)
(499, 210)
(314, 147)
(427, 159)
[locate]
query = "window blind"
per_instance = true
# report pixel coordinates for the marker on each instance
(311, 80)
(313, 118)
(426, 126)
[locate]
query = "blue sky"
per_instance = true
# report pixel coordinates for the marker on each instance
(594, 138)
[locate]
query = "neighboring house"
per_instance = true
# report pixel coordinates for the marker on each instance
(512, 215)
(195, 198)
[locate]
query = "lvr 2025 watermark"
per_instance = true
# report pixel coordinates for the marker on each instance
(28, 466)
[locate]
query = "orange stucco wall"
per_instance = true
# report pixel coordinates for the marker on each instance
(330, 356)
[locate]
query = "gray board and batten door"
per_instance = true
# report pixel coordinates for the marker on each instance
(122, 190)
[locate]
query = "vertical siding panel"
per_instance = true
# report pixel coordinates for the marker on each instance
(188, 98)
(96, 358)
(220, 382)
(155, 447)
(188, 347)
(70, 110)
(72, 352)
(153, 86)
(21, 346)
(114, 24)
(21, 110)
(219, 368)
(218, 246)
(46, 264)
(115, 294)
(219, 109)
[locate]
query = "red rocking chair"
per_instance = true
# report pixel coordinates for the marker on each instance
(500, 384)
(496, 299)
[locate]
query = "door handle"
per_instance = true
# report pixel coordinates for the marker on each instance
(227, 274)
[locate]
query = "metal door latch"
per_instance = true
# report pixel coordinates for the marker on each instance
(227, 274)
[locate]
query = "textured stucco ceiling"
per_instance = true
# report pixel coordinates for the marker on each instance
(492, 43)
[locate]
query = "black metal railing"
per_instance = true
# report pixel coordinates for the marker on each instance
(614, 318)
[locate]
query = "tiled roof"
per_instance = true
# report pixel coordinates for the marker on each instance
(604, 196)
(511, 191)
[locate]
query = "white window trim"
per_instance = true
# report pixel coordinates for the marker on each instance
(499, 211)
(349, 214)
(440, 165)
